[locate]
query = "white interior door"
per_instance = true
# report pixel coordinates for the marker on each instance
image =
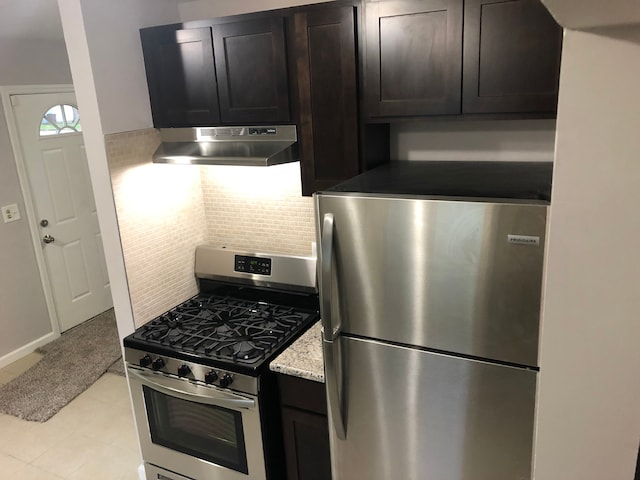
(56, 165)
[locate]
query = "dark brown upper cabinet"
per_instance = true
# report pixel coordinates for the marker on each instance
(511, 57)
(413, 57)
(226, 71)
(251, 64)
(418, 65)
(325, 69)
(181, 76)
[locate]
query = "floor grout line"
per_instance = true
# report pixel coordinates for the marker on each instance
(90, 464)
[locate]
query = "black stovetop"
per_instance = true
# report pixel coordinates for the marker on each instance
(239, 328)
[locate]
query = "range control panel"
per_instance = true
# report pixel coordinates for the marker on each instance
(139, 360)
(254, 265)
(263, 131)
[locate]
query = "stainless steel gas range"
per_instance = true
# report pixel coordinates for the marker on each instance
(204, 401)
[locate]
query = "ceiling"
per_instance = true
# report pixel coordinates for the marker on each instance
(587, 14)
(40, 19)
(30, 20)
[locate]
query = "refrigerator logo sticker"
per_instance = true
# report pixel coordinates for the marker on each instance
(523, 240)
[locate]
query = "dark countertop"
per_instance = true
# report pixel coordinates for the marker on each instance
(497, 181)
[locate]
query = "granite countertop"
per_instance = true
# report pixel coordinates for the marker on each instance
(303, 358)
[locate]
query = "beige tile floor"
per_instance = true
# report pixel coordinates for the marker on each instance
(93, 437)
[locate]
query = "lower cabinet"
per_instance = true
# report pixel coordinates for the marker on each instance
(305, 429)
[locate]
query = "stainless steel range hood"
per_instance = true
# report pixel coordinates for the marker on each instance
(252, 146)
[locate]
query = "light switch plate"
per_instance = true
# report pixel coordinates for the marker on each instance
(10, 213)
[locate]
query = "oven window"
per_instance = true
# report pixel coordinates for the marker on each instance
(204, 431)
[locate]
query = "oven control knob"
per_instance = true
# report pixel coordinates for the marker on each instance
(210, 376)
(226, 380)
(157, 364)
(183, 370)
(145, 361)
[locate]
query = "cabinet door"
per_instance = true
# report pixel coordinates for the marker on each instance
(252, 71)
(511, 57)
(413, 59)
(325, 51)
(306, 439)
(181, 76)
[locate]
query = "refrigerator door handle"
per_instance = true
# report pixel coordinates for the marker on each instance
(333, 381)
(330, 349)
(330, 331)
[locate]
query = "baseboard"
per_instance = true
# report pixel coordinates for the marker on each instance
(26, 349)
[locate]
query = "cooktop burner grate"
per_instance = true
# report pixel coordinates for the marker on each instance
(225, 328)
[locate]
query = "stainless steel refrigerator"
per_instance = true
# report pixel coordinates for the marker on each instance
(430, 282)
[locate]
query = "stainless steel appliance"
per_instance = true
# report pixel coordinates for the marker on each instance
(260, 146)
(204, 401)
(430, 279)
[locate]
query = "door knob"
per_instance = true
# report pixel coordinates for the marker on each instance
(48, 239)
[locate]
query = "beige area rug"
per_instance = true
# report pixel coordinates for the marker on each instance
(70, 365)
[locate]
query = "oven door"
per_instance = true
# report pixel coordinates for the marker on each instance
(198, 431)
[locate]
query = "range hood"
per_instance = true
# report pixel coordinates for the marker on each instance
(252, 146)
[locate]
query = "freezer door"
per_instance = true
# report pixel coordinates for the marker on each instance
(455, 276)
(415, 415)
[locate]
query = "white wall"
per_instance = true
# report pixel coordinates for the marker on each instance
(585, 14)
(115, 52)
(200, 9)
(508, 140)
(33, 62)
(589, 399)
(106, 58)
(23, 312)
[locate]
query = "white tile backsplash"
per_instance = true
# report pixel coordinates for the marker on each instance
(258, 208)
(161, 218)
(164, 211)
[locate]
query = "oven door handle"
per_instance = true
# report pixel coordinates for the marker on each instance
(216, 397)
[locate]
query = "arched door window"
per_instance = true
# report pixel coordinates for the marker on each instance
(60, 120)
